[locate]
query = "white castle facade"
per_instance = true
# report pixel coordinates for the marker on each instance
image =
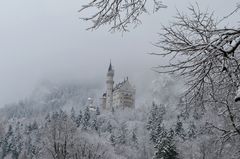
(122, 95)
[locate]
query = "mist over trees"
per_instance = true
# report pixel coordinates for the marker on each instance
(78, 132)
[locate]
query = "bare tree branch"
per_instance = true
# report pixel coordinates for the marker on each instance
(119, 14)
(207, 57)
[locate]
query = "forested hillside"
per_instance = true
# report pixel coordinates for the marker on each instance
(56, 122)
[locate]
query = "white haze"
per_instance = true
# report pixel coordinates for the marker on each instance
(45, 40)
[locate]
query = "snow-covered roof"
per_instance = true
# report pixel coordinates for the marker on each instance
(123, 84)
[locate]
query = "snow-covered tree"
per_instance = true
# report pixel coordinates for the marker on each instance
(122, 133)
(109, 127)
(79, 119)
(113, 139)
(48, 118)
(86, 118)
(165, 147)
(60, 136)
(98, 111)
(16, 142)
(34, 125)
(95, 125)
(33, 145)
(6, 144)
(119, 13)
(179, 130)
(204, 52)
(134, 138)
(113, 110)
(192, 130)
(73, 114)
(155, 119)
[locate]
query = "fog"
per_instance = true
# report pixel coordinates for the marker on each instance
(45, 40)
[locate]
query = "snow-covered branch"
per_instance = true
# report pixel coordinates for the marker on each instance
(119, 14)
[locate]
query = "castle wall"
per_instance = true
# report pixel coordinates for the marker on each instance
(117, 99)
(103, 102)
(123, 99)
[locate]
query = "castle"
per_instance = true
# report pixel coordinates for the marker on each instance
(121, 95)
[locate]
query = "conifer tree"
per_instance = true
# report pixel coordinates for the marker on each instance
(192, 130)
(165, 147)
(109, 127)
(63, 115)
(155, 119)
(152, 117)
(73, 116)
(48, 118)
(179, 129)
(156, 132)
(122, 138)
(98, 111)
(113, 110)
(134, 138)
(79, 119)
(113, 139)
(95, 124)
(34, 125)
(16, 144)
(86, 118)
(6, 142)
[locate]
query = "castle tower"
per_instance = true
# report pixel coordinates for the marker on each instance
(109, 82)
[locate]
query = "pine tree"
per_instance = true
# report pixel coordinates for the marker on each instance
(47, 119)
(152, 117)
(192, 130)
(17, 144)
(94, 124)
(86, 118)
(156, 132)
(63, 115)
(34, 125)
(6, 142)
(122, 138)
(109, 127)
(134, 138)
(73, 116)
(165, 147)
(155, 119)
(79, 119)
(179, 129)
(113, 110)
(98, 111)
(113, 139)
(28, 128)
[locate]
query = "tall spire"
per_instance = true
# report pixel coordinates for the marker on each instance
(109, 82)
(110, 66)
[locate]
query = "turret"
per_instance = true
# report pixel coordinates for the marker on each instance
(109, 82)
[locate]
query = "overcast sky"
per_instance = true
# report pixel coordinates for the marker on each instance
(44, 39)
